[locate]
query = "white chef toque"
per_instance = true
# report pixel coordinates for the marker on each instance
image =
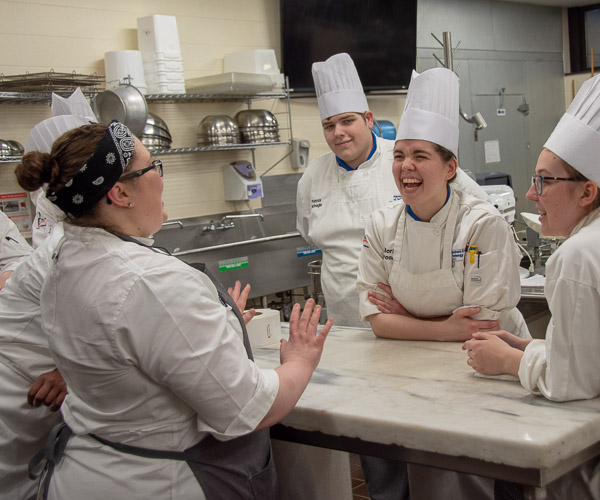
(338, 86)
(43, 135)
(431, 109)
(576, 137)
(68, 113)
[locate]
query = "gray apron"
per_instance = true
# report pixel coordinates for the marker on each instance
(240, 468)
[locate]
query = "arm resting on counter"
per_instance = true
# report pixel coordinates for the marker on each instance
(459, 326)
(300, 356)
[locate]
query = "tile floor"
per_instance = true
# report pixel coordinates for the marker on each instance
(359, 488)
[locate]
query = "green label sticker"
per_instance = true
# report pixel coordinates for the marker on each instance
(229, 264)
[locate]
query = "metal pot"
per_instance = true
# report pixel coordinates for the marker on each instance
(125, 104)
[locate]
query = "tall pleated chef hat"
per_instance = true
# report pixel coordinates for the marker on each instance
(338, 86)
(431, 109)
(43, 135)
(69, 113)
(576, 137)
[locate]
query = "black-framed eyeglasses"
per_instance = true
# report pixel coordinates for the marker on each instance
(156, 165)
(538, 181)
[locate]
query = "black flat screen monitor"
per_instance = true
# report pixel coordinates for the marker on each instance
(379, 35)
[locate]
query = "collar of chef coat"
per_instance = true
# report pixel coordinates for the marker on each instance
(347, 167)
(413, 215)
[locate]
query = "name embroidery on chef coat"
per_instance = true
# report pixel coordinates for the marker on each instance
(458, 256)
(316, 203)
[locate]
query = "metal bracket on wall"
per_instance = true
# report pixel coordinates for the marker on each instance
(476, 119)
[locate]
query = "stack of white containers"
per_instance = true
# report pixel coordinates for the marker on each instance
(158, 41)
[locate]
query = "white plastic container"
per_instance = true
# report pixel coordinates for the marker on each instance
(230, 83)
(163, 65)
(158, 33)
(165, 77)
(166, 88)
(124, 66)
(161, 56)
(265, 328)
(261, 61)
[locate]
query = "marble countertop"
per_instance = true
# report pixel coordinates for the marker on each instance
(424, 396)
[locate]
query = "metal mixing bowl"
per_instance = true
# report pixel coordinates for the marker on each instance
(156, 120)
(218, 130)
(16, 146)
(125, 104)
(6, 149)
(157, 131)
(255, 118)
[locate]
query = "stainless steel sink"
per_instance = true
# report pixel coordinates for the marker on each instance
(266, 252)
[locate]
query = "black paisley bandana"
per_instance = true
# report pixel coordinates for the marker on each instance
(99, 174)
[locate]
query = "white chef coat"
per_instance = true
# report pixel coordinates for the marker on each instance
(437, 278)
(565, 366)
(47, 215)
(13, 247)
(490, 282)
(333, 206)
(24, 356)
(151, 358)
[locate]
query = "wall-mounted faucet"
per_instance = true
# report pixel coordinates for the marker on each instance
(227, 222)
(173, 223)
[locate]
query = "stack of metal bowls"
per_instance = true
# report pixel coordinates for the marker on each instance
(218, 130)
(10, 149)
(156, 135)
(257, 126)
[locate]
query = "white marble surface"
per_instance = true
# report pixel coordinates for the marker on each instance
(423, 395)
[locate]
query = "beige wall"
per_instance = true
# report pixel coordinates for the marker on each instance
(72, 35)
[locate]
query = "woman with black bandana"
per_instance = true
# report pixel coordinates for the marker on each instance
(164, 398)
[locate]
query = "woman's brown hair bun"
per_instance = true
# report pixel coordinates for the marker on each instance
(34, 171)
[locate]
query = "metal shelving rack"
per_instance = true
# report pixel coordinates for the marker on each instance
(248, 98)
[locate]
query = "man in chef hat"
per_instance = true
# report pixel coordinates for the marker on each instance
(339, 189)
(335, 196)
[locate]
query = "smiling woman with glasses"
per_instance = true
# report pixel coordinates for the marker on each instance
(155, 351)
(564, 366)
(538, 181)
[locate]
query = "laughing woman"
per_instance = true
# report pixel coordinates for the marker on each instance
(446, 261)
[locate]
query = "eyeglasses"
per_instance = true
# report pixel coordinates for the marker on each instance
(156, 165)
(538, 182)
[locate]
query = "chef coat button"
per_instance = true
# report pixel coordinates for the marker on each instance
(365, 174)
(437, 231)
